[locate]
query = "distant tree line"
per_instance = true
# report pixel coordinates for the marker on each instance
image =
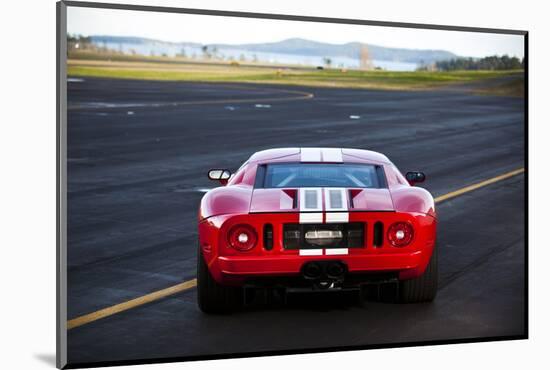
(79, 38)
(78, 42)
(488, 63)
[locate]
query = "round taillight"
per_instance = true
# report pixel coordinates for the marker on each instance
(400, 234)
(242, 237)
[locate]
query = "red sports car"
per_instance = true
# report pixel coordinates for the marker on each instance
(315, 219)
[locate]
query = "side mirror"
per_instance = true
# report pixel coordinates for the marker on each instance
(415, 177)
(219, 175)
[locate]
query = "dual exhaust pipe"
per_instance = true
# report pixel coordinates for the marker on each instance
(324, 270)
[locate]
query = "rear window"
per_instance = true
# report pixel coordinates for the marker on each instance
(296, 175)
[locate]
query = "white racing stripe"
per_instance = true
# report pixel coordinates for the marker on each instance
(310, 155)
(311, 218)
(332, 155)
(327, 252)
(311, 206)
(336, 199)
(336, 251)
(338, 217)
(321, 155)
(311, 252)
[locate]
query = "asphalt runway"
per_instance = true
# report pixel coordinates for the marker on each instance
(138, 154)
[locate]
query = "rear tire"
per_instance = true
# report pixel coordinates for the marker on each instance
(213, 297)
(422, 288)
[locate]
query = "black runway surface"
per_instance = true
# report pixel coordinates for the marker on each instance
(138, 153)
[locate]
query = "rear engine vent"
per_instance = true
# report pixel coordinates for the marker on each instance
(268, 237)
(378, 236)
(335, 199)
(311, 199)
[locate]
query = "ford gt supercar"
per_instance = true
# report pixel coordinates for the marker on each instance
(315, 219)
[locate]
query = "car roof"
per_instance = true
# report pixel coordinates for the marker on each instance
(315, 155)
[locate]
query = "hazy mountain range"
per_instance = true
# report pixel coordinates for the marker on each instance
(294, 46)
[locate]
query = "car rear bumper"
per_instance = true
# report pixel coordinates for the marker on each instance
(283, 265)
(237, 269)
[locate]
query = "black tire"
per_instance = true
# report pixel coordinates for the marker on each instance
(422, 288)
(213, 297)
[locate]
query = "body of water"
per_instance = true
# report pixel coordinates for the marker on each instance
(158, 49)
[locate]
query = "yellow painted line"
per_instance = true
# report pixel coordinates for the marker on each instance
(186, 285)
(133, 303)
(478, 185)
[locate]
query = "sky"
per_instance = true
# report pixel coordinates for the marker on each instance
(207, 29)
